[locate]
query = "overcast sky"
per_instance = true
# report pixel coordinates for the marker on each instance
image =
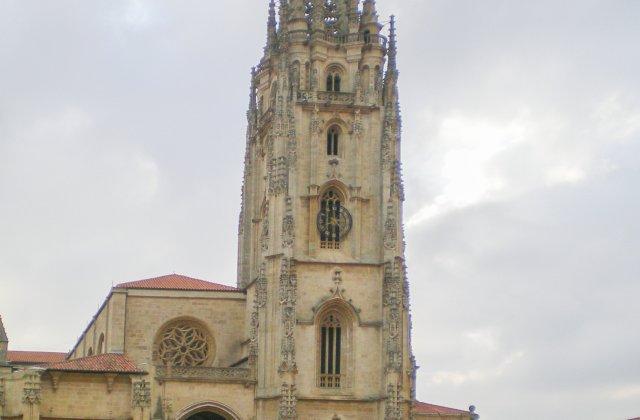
(121, 147)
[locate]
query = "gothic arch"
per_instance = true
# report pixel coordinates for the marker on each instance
(336, 303)
(337, 121)
(210, 407)
(339, 313)
(335, 75)
(337, 185)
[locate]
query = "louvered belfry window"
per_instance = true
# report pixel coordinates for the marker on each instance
(330, 352)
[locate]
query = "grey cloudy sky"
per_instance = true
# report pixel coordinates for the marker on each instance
(121, 148)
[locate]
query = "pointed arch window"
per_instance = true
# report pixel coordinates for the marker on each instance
(330, 351)
(333, 139)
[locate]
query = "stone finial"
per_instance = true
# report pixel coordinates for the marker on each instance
(472, 411)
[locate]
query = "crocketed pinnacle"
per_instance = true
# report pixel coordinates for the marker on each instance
(271, 25)
(393, 47)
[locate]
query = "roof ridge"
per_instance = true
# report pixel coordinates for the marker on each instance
(176, 282)
(435, 406)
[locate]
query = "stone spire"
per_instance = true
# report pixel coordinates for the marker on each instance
(4, 343)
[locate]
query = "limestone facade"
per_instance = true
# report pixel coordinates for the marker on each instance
(319, 325)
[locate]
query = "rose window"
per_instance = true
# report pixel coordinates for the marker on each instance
(184, 344)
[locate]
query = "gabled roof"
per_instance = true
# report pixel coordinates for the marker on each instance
(35, 357)
(176, 282)
(101, 363)
(3, 333)
(424, 408)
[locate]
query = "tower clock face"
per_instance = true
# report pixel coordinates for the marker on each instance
(334, 222)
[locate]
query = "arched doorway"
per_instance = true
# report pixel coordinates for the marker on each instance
(206, 415)
(208, 410)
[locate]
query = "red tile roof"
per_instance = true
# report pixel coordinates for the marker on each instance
(35, 357)
(101, 363)
(176, 282)
(424, 408)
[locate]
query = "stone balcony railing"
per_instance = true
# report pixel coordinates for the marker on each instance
(338, 98)
(207, 374)
(367, 39)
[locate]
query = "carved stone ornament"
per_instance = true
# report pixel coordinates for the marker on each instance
(390, 229)
(337, 292)
(258, 303)
(393, 303)
(288, 402)
(31, 393)
(264, 234)
(199, 373)
(279, 176)
(393, 409)
(397, 186)
(288, 226)
(184, 343)
(141, 394)
(288, 292)
(316, 121)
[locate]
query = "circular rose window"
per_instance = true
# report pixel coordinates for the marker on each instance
(185, 343)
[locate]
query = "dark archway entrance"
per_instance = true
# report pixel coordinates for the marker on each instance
(205, 415)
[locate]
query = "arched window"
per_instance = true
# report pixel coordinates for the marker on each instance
(333, 138)
(101, 344)
(90, 352)
(334, 81)
(330, 351)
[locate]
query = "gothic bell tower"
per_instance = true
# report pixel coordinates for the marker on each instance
(321, 250)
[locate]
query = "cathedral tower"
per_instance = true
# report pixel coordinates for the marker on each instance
(321, 251)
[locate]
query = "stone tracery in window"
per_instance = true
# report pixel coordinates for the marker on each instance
(185, 344)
